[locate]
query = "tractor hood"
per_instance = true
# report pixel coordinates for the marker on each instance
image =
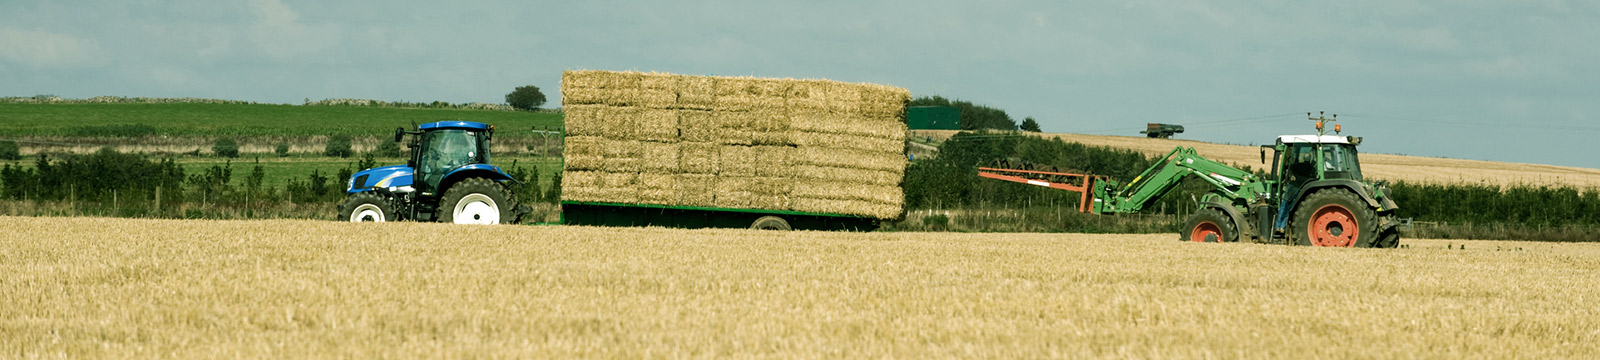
(391, 176)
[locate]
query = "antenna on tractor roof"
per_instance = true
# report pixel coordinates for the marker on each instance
(1320, 119)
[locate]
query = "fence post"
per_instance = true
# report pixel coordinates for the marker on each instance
(158, 201)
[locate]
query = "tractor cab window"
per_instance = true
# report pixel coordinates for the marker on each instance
(1299, 164)
(1339, 162)
(445, 150)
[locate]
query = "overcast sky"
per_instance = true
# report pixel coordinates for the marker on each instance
(1493, 80)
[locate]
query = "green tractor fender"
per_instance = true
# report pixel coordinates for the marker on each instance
(1359, 188)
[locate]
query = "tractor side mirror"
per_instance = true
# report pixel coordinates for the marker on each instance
(1263, 154)
(399, 133)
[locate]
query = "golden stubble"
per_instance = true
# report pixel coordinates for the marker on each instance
(130, 288)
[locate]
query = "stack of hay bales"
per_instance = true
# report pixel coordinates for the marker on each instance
(734, 142)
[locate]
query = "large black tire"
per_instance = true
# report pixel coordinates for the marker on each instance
(1209, 225)
(1388, 239)
(1336, 218)
(366, 207)
(770, 223)
(477, 201)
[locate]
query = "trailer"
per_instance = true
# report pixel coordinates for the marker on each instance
(691, 217)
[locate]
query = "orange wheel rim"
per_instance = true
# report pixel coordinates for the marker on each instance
(1333, 225)
(1206, 232)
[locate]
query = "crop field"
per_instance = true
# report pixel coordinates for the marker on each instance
(1415, 169)
(131, 288)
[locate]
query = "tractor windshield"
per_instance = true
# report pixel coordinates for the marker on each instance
(1338, 162)
(445, 150)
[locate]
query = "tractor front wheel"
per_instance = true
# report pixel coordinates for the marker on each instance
(476, 201)
(365, 207)
(1335, 218)
(1209, 225)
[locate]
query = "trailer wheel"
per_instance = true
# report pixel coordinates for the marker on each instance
(1336, 218)
(476, 201)
(1209, 225)
(365, 207)
(770, 223)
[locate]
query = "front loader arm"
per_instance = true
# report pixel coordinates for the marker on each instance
(1168, 172)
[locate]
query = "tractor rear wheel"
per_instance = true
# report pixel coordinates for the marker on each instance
(1336, 218)
(1209, 225)
(476, 201)
(365, 207)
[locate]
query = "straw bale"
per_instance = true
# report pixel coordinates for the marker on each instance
(733, 192)
(696, 92)
(733, 85)
(772, 161)
(847, 124)
(846, 141)
(736, 160)
(656, 125)
(825, 173)
(752, 192)
(601, 120)
(644, 98)
(621, 80)
(848, 158)
(658, 157)
(596, 186)
(584, 79)
(698, 126)
(584, 153)
(845, 190)
(695, 189)
(583, 96)
(657, 188)
(883, 102)
(659, 81)
(698, 157)
(846, 207)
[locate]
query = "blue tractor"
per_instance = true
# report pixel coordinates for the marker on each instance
(447, 179)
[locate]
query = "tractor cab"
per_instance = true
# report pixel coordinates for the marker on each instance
(1303, 158)
(445, 147)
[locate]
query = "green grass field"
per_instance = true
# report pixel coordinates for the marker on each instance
(210, 120)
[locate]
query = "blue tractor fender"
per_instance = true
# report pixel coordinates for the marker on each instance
(486, 171)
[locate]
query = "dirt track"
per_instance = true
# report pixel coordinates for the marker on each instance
(1377, 166)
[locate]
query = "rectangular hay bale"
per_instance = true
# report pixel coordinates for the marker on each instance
(847, 141)
(869, 177)
(698, 158)
(844, 190)
(658, 157)
(848, 158)
(695, 190)
(658, 188)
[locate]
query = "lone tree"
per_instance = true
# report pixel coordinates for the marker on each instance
(1028, 124)
(525, 98)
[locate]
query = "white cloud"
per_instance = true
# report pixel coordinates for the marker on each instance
(42, 49)
(278, 31)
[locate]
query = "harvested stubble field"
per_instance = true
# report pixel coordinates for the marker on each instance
(1413, 169)
(128, 288)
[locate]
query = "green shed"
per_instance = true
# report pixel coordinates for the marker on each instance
(933, 118)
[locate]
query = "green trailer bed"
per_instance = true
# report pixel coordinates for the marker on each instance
(694, 217)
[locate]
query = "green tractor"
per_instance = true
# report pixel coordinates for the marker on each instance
(1314, 196)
